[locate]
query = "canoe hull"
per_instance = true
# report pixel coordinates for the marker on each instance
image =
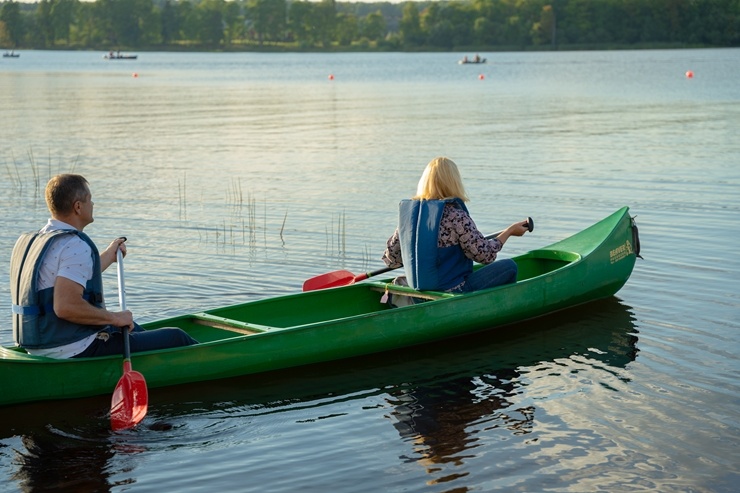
(325, 325)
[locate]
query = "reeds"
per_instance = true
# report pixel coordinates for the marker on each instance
(18, 174)
(341, 235)
(182, 197)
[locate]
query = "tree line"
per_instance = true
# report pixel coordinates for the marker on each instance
(330, 25)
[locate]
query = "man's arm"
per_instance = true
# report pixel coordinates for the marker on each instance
(71, 306)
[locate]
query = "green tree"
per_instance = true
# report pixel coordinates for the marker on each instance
(268, 19)
(127, 22)
(234, 22)
(62, 17)
(171, 22)
(299, 20)
(484, 31)
(88, 28)
(45, 34)
(10, 16)
(313, 24)
(347, 29)
(325, 22)
(462, 18)
(410, 26)
(210, 22)
(543, 31)
(373, 26)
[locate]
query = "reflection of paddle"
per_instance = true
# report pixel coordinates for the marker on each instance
(345, 277)
(129, 402)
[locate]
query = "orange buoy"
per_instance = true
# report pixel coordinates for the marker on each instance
(481, 77)
(134, 75)
(331, 76)
(689, 74)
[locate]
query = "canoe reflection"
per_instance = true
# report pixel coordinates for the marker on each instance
(445, 420)
(50, 462)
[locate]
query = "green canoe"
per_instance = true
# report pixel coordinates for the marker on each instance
(331, 324)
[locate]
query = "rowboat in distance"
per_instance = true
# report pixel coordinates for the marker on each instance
(119, 56)
(11, 54)
(344, 322)
(476, 59)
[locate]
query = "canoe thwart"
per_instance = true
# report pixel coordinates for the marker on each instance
(228, 324)
(383, 287)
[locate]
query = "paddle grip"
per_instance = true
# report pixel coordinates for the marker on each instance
(530, 224)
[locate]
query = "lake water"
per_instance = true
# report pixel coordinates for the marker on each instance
(238, 176)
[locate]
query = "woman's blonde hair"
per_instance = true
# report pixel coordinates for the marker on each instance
(441, 180)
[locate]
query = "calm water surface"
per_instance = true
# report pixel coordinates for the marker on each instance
(238, 176)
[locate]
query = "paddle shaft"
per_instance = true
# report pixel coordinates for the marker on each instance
(122, 304)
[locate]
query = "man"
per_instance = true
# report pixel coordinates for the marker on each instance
(57, 287)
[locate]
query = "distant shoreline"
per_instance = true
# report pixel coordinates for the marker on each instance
(346, 49)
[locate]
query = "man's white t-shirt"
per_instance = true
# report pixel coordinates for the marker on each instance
(69, 257)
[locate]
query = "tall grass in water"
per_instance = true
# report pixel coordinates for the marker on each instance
(182, 197)
(341, 235)
(19, 173)
(241, 227)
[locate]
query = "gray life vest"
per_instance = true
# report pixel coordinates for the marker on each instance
(427, 266)
(35, 325)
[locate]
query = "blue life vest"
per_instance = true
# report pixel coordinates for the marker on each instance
(429, 267)
(35, 325)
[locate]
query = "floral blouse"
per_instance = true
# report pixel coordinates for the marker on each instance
(456, 228)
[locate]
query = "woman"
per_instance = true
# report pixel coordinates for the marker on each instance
(437, 241)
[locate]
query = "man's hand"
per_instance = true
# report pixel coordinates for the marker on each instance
(108, 256)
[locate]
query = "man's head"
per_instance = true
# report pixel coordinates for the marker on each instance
(68, 198)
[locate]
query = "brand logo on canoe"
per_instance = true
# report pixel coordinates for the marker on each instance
(621, 252)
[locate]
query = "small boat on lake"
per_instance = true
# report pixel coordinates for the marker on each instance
(118, 56)
(474, 60)
(343, 322)
(11, 54)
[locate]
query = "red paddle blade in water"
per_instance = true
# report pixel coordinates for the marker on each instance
(329, 280)
(130, 400)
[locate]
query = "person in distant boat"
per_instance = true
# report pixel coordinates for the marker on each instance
(477, 58)
(437, 241)
(465, 59)
(57, 287)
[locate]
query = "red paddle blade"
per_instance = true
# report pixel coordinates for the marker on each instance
(329, 280)
(129, 402)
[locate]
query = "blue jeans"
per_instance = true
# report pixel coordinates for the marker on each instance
(139, 340)
(494, 274)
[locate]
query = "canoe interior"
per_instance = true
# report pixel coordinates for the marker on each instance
(331, 304)
(273, 314)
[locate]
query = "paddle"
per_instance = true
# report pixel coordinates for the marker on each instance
(129, 401)
(345, 277)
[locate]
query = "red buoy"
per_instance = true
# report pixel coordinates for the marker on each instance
(689, 74)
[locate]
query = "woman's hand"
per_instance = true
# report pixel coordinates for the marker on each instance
(516, 229)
